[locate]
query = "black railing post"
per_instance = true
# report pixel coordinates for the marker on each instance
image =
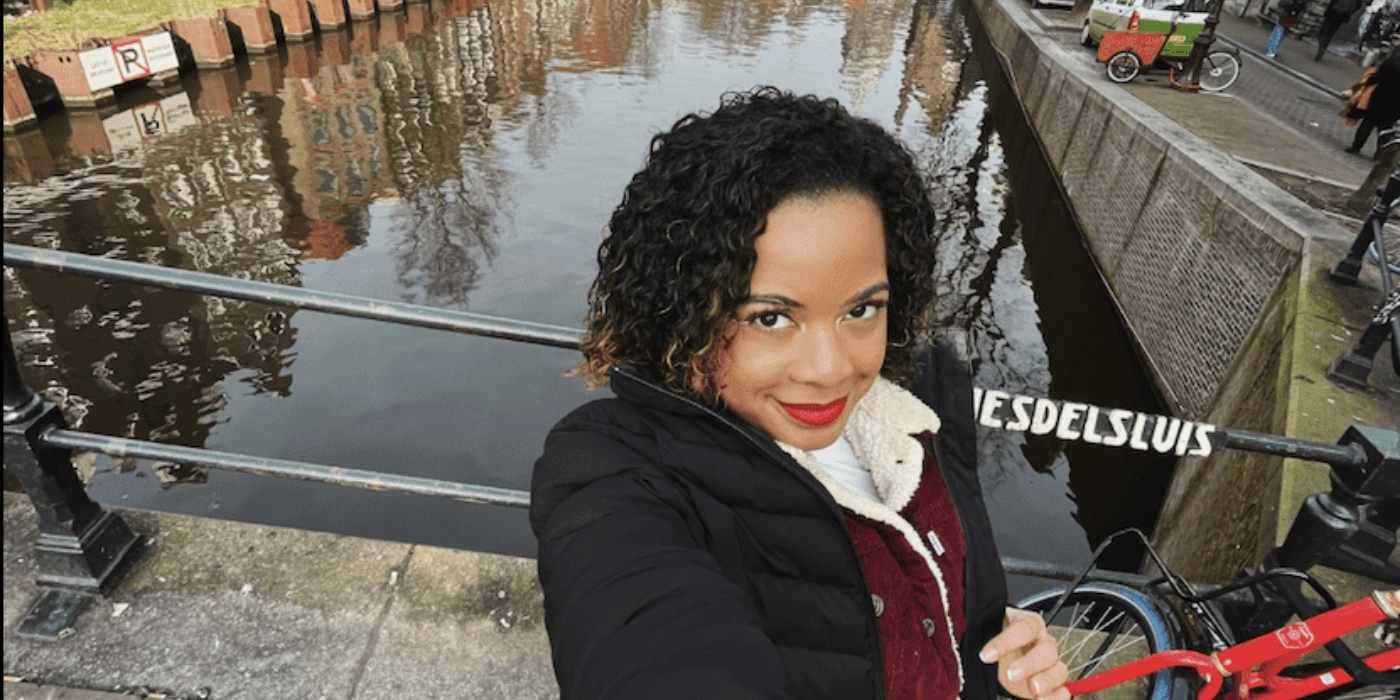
(1354, 365)
(81, 545)
(1332, 519)
(1349, 267)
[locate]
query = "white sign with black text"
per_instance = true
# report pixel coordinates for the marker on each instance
(1111, 427)
(130, 60)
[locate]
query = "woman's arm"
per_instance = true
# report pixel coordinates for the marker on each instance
(635, 607)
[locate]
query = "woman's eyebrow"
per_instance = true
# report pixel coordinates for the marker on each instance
(780, 300)
(868, 292)
(774, 299)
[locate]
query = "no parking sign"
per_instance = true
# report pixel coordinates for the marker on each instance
(118, 63)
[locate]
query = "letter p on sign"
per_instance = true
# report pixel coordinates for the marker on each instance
(131, 60)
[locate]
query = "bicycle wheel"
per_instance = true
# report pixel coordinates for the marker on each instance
(1103, 626)
(1123, 66)
(1219, 70)
(1392, 249)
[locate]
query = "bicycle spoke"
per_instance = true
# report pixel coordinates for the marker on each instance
(1102, 627)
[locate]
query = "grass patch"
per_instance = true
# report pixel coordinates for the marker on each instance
(69, 24)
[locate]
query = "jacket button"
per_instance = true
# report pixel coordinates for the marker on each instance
(928, 626)
(879, 604)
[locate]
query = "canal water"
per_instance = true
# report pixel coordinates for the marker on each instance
(466, 155)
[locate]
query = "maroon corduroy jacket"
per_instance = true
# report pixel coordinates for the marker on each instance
(918, 656)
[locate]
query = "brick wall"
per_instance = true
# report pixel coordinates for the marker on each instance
(1189, 254)
(207, 38)
(253, 26)
(18, 111)
(63, 68)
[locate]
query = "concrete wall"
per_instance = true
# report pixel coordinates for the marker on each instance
(1192, 243)
(1202, 256)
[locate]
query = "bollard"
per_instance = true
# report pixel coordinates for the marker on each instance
(1349, 267)
(1354, 365)
(81, 545)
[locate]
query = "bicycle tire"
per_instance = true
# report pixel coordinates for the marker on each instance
(1123, 66)
(1219, 70)
(1392, 249)
(1125, 624)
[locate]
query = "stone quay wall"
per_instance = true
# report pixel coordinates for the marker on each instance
(1202, 256)
(1192, 244)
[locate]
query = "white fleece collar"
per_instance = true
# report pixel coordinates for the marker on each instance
(882, 430)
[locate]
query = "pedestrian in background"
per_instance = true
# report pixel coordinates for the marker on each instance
(1382, 109)
(1338, 12)
(1288, 12)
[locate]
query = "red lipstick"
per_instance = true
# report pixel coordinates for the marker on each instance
(815, 415)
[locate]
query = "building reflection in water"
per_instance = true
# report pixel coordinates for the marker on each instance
(251, 171)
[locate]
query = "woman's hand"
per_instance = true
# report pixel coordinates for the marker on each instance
(1028, 664)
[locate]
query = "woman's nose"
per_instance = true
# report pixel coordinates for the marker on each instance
(823, 358)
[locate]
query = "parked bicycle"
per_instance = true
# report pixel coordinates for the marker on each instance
(1165, 638)
(1126, 54)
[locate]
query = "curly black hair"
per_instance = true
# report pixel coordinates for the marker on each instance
(678, 254)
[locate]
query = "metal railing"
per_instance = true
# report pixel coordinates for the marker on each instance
(82, 547)
(1355, 364)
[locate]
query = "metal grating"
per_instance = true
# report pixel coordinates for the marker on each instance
(1061, 113)
(1088, 129)
(1220, 269)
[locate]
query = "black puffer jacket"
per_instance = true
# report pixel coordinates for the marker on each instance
(684, 555)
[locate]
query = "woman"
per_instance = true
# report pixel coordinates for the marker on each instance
(1381, 108)
(763, 512)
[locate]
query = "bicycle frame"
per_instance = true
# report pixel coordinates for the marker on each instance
(1255, 665)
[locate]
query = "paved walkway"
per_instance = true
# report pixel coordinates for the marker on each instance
(220, 610)
(1282, 113)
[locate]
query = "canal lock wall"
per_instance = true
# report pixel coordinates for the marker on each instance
(1205, 262)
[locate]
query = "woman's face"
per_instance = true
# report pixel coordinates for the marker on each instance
(810, 337)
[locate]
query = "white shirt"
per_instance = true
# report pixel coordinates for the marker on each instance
(839, 461)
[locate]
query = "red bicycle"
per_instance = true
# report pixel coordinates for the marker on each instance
(1254, 667)
(1137, 637)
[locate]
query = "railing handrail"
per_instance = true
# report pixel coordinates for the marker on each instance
(291, 297)
(85, 546)
(507, 329)
(305, 471)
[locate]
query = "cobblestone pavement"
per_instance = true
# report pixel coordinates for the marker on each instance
(1291, 90)
(1291, 87)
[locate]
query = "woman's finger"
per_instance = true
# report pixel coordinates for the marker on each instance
(1045, 683)
(1019, 629)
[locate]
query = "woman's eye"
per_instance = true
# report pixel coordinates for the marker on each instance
(770, 320)
(866, 310)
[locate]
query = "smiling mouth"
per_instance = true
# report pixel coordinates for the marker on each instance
(815, 415)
